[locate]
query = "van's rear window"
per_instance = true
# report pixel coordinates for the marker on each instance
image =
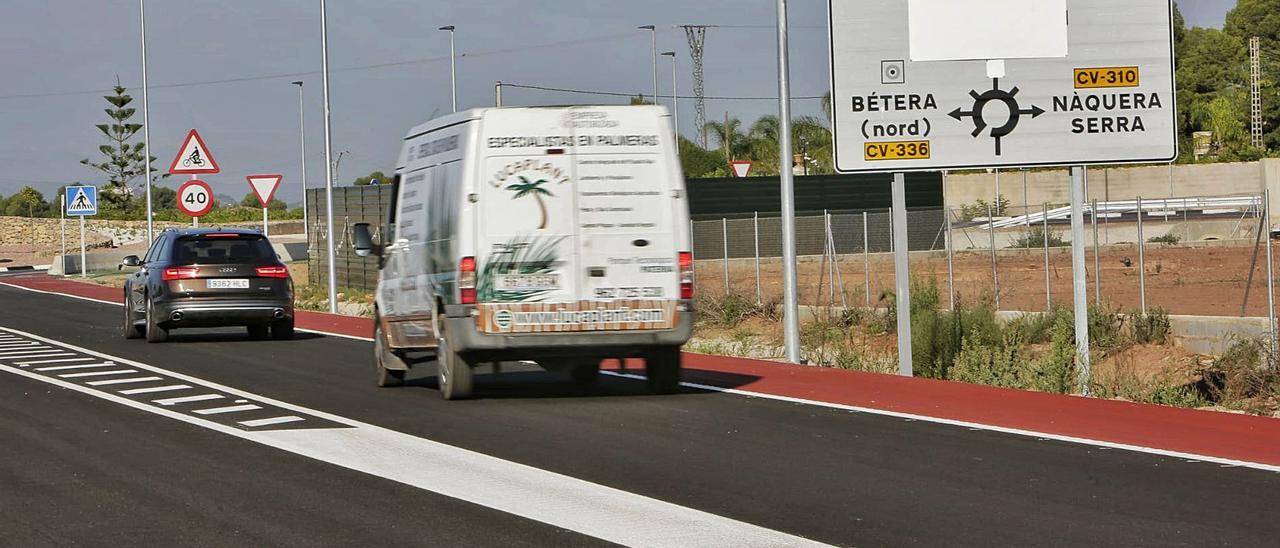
(223, 250)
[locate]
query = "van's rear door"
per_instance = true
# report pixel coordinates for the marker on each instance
(576, 221)
(526, 243)
(626, 215)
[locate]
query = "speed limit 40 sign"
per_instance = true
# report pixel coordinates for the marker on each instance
(195, 198)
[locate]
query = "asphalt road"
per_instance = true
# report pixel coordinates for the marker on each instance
(78, 468)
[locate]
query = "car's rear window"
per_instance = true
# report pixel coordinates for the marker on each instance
(222, 250)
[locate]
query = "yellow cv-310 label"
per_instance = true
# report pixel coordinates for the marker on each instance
(896, 150)
(1106, 77)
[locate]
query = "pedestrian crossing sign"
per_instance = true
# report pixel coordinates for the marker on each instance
(82, 201)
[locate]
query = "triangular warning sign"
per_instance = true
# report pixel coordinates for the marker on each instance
(741, 168)
(264, 186)
(193, 157)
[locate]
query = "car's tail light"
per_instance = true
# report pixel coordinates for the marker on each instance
(467, 280)
(686, 274)
(223, 235)
(273, 272)
(179, 273)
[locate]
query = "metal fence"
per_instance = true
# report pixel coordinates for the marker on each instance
(1192, 255)
(351, 205)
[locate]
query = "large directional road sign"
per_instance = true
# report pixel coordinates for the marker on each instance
(953, 84)
(82, 201)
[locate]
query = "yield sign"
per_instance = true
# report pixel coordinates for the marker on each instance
(193, 158)
(264, 186)
(741, 168)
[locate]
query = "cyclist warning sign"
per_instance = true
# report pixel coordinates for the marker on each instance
(960, 84)
(193, 157)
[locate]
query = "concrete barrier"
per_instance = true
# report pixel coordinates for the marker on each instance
(98, 262)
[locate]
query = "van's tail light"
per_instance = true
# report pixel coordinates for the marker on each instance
(178, 273)
(273, 272)
(467, 280)
(686, 275)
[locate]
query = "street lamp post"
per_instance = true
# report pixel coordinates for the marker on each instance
(302, 133)
(653, 40)
(146, 121)
(330, 252)
(453, 68)
(790, 294)
(675, 104)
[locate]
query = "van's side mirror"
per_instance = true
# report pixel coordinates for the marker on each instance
(364, 241)
(131, 261)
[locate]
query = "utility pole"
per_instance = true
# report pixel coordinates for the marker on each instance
(697, 35)
(302, 132)
(790, 293)
(1255, 90)
(330, 251)
(146, 121)
(453, 68)
(653, 47)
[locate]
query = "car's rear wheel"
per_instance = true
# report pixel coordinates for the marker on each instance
(154, 333)
(455, 375)
(382, 357)
(662, 369)
(282, 330)
(131, 330)
(258, 332)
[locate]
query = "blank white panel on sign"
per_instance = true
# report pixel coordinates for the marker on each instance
(958, 30)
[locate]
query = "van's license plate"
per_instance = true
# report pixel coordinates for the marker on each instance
(527, 282)
(228, 284)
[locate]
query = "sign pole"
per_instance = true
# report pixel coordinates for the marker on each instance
(84, 266)
(62, 226)
(264, 222)
(902, 274)
(790, 294)
(1079, 282)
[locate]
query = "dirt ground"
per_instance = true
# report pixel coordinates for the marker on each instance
(1206, 281)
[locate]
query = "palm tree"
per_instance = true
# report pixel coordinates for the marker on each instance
(730, 132)
(526, 188)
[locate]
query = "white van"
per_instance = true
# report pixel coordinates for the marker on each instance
(554, 235)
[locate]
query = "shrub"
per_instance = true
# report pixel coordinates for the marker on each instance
(1034, 237)
(1245, 377)
(1105, 327)
(732, 309)
(1150, 328)
(1166, 239)
(992, 365)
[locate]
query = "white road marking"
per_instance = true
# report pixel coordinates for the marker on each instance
(271, 421)
(187, 399)
(35, 354)
(125, 381)
(971, 425)
(60, 360)
(561, 501)
(98, 374)
(155, 389)
(229, 409)
(87, 366)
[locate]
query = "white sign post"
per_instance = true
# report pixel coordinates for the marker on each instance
(963, 84)
(80, 201)
(62, 227)
(264, 187)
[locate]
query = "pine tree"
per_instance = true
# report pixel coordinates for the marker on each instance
(125, 161)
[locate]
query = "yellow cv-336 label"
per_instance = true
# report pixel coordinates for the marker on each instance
(1106, 77)
(896, 150)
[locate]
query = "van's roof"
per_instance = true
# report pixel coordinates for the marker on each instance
(477, 113)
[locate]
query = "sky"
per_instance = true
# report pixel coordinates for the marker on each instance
(225, 69)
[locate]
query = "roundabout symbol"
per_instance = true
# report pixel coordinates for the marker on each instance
(996, 94)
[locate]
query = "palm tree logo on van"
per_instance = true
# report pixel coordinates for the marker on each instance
(527, 188)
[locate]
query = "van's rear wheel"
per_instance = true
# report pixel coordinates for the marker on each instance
(587, 372)
(455, 374)
(662, 369)
(383, 357)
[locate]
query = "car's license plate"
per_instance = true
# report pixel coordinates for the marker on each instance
(228, 284)
(527, 282)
